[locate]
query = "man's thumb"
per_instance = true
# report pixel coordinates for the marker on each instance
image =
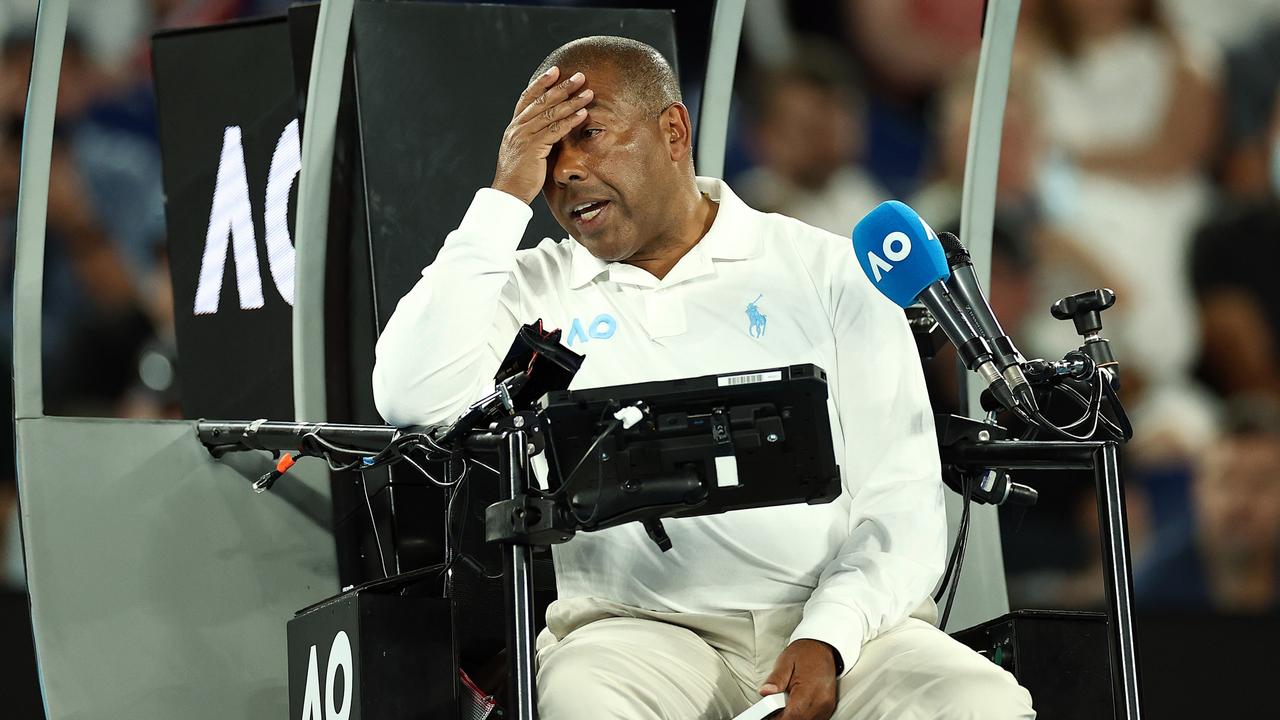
(779, 679)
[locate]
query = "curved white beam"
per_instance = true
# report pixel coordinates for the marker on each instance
(319, 130)
(722, 59)
(33, 207)
(983, 593)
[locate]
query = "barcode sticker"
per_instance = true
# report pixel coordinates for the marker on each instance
(749, 378)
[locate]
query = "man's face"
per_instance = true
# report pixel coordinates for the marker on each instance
(607, 180)
(1237, 494)
(808, 133)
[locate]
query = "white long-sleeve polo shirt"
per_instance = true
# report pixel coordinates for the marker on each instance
(757, 291)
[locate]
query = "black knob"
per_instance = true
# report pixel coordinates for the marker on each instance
(1084, 309)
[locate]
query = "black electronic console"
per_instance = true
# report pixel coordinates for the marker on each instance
(692, 446)
(630, 453)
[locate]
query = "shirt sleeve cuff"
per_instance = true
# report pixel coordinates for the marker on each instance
(836, 626)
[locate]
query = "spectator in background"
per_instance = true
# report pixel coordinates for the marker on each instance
(1021, 148)
(11, 563)
(806, 133)
(1229, 26)
(105, 218)
(1229, 559)
(1233, 272)
(13, 574)
(1252, 75)
(1130, 112)
(910, 46)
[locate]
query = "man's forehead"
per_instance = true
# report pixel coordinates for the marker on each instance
(611, 88)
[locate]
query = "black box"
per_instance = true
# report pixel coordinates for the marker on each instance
(1061, 657)
(394, 653)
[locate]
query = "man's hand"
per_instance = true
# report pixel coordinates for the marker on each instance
(806, 671)
(545, 113)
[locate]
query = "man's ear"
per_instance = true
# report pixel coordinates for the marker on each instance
(677, 130)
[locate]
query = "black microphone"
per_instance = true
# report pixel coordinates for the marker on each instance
(967, 292)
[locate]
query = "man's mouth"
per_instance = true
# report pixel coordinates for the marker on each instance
(585, 213)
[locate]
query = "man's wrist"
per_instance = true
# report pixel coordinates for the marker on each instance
(507, 189)
(835, 657)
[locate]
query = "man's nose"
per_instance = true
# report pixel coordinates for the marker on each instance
(569, 166)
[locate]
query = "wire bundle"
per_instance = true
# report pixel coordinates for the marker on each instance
(403, 449)
(1099, 388)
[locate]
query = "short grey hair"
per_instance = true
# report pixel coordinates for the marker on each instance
(650, 82)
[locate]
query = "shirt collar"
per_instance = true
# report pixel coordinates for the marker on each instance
(730, 237)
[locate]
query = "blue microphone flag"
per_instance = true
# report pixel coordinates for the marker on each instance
(899, 252)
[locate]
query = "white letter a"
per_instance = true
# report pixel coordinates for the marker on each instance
(311, 707)
(878, 264)
(231, 215)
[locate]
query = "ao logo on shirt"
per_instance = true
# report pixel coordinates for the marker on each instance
(601, 327)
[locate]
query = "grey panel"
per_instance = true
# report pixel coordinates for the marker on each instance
(160, 583)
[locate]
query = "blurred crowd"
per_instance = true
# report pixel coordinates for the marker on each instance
(1141, 152)
(108, 337)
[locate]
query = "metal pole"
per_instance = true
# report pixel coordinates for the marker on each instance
(1102, 459)
(1118, 581)
(517, 578)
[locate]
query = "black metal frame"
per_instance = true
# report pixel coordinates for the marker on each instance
(514, 443)
(517, 581)
(968, 446)
(1100, 457)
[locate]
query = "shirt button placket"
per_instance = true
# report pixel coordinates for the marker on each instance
(664, 314)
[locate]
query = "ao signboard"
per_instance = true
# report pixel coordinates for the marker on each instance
(230, 143)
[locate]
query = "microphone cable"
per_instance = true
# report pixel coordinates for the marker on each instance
(1118, 429)
(955, 563)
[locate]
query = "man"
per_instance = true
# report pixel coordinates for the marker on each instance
(1229, 560)
(806, 134)
(808, 600)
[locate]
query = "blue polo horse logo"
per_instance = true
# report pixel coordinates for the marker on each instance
(756, 318)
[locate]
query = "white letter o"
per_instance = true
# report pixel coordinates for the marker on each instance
(897, 246)
(339, 655)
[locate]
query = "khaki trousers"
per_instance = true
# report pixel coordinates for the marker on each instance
(600, 660)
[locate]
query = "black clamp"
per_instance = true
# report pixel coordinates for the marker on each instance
(527, 421)
(955, 429)
(994, 486)
(528, 520)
